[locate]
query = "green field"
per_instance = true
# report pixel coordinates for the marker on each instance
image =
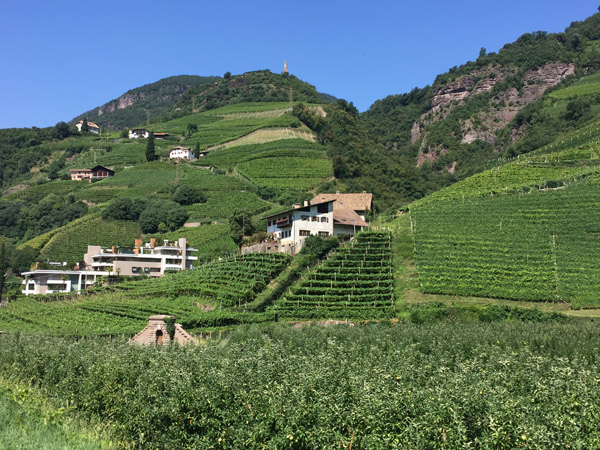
(589, 85)
(448, 385)
(356, 281)
(525, 231)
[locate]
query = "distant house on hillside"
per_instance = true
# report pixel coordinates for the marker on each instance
(139, 133)
(93, 128)
(181, 153)
(94, 174)
(161, 135)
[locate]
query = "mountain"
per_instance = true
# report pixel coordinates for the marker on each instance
(136, 106)
(258, 86)
(495, 107)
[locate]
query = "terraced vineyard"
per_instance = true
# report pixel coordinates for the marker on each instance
(537, 239)
(355, 282)
(198, 297)
(70, 242)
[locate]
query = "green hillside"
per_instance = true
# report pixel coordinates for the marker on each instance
(258, 86)
(523, 231)
(137, 106)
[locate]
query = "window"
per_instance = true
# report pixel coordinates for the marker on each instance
(314, 219)
(135, 270)
(269, 223)
(323, 233)
(325, 219)
(323, 208)
(304, 233)
(304, 217)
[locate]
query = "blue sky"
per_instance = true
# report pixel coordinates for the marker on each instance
(61, 58)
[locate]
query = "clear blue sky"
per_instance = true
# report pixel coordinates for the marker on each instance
(61, 58)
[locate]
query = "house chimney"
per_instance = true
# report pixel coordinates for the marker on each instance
(114, 249)
(296, 205)
(137, 243)
(152, 242)
(337, 192)
(306, 203)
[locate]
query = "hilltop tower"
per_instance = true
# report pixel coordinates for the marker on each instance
(285, 68)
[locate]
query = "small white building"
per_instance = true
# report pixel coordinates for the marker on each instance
(39, 282)
(181, 153)
(93, 128)
(139, 133)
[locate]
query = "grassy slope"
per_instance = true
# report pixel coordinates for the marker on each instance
(524, 231)
(28, 421)
(264, 165)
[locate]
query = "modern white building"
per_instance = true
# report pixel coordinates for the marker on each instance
(148, 259)
(182, 153)
(51, 281)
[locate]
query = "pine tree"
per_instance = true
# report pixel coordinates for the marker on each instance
(2, 268)
(84, 126)
(197, 150)
(150, 152)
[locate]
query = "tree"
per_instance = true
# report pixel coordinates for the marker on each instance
(191, 128)
(185, 195)
(240, 224)
(150, 151)
(3, 266)
(168, 213)
(84, 126)
(227, 75)
(61, 131)
(197, 149)
(482, 52)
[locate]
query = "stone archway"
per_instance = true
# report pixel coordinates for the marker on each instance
(159, 338)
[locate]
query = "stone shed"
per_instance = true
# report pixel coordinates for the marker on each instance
(158, 333)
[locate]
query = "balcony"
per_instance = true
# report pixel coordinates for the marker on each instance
(282, 222)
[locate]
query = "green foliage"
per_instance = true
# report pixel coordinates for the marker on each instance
(524, 231)
(259, 86)
(185, 195)
(354, 282)
(319, 246)
(158, 212)
(124, 209)
(240, 224)
(150, 148)
(498, 385)
(70, 242)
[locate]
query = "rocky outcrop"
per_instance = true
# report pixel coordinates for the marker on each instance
(415, 133)
(429, 154)
(476, 82)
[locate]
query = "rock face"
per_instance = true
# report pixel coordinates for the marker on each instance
(500, 111)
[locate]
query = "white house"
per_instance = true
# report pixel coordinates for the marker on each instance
(290, 228)
(93, 128)
(181, 153)
(139, 133)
